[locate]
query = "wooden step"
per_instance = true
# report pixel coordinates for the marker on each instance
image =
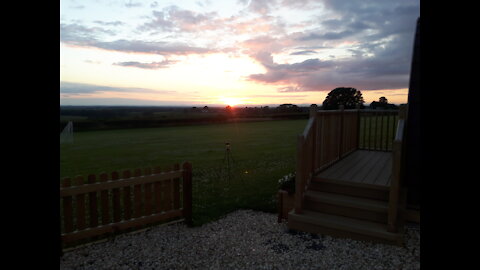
(344, 227)
(350, 188)
(349, 206)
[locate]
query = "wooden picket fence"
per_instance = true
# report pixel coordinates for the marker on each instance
(106, 205)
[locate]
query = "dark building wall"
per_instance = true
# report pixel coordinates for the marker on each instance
(413, 172)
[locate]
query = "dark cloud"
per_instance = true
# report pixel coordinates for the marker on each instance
(262, 7)
(327, 35)
(115, 23)
(286, 72)
(139, 46)
(76, 33)
(307, 52)
(131, 4)
(82, 36)
(173, 18)
(152, 65)
(289, 89)
(382, 33)
(74, 89)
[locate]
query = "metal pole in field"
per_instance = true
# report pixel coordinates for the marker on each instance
(227, 157)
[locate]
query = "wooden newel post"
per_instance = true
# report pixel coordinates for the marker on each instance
(340, 143)
(187, 193)
(300, 175)
(395, 185)
(357, 132)
(313, 110)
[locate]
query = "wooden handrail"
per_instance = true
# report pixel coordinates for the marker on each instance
(323, 141)
(309, 126)
(399, 133)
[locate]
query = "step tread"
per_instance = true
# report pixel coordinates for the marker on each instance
(344, 223)
(346, 200)
(320, 180)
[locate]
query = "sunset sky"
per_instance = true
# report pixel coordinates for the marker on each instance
(235, 52)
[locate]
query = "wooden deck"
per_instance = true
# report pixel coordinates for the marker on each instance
(343, 189)
(362, 166)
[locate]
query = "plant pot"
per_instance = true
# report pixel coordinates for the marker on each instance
(285, 204)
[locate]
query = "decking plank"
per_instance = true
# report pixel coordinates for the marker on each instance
(344, 166)
(377, 168)
(382, 177)
(339, 167)
(349, 175)
(367, 169)
(362, 166)
(389, 181)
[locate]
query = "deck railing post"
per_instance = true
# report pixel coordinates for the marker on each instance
(340, 143)
(187, 193)
(313, 114)
(396, 171)
(300, 175)
(313, 110)
(357, 131)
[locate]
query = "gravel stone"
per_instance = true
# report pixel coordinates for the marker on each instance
(244, 239)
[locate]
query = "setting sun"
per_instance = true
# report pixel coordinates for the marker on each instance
(231, 101)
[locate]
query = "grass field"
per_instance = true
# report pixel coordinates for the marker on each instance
(262, 153)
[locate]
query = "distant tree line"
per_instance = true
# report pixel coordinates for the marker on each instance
(350, 98)
(115, 117)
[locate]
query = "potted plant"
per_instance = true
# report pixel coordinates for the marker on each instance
(286, 195)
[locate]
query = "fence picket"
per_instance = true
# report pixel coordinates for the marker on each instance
(92, 203)
(137, 195)
(127, 197)
(157, 186)
(80, 205)
(187, 193)
(148, 194)
(167, 193)
(176, 189)
(74, 197)
(104, 201)
(117, 214)
(67, 208)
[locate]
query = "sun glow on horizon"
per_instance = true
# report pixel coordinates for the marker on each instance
(231, 101)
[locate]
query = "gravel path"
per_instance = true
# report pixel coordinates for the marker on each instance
(244, 239)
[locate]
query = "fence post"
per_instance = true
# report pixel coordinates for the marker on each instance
(187, 193)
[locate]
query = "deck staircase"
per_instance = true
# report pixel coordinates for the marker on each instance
(343, 209)
(349, 207)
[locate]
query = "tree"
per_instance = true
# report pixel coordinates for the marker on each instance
(382, 104)
(346, 96)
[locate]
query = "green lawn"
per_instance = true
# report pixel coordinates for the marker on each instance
(262, 153)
